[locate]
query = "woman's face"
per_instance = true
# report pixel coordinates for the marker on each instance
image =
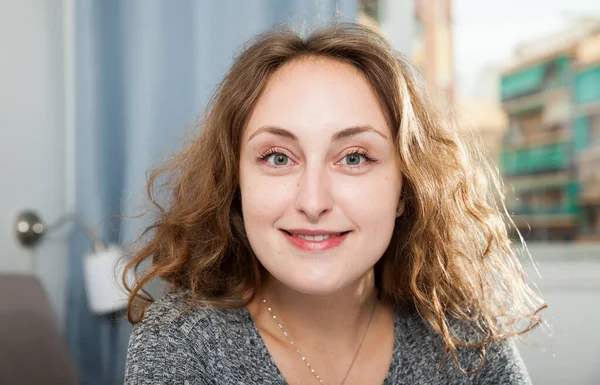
(319, 177)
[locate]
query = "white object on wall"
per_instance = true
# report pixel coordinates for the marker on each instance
(103, 271)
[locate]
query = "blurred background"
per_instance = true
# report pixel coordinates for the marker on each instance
(94, 93)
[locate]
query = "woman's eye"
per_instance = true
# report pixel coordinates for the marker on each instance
(279, 159)
(353, 159)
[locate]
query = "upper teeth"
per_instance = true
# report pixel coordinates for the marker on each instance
(315, 237)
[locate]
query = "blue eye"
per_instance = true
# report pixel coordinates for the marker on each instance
(278, 159)
(353, 159)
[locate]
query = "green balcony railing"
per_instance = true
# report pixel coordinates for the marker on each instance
(581, 133)
(587, 85)
(552, 157)
(568, 205)
(552, 210)
(536, 78)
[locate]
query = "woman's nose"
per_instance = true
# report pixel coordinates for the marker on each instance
(313, 196)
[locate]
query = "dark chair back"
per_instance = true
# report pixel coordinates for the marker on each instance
(32, 350)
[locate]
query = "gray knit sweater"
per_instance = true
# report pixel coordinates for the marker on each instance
(210, 346)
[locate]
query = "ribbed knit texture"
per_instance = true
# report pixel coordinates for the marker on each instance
(211, 346)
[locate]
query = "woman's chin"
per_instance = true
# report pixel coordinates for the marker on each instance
(320, 285)
(321, 280)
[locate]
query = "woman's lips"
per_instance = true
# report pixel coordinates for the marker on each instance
(316, 242)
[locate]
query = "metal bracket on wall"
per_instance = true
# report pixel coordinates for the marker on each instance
(30, 229)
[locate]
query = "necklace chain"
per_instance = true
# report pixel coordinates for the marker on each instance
(303, 358)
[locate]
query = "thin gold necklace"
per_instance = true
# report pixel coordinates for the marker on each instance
(303, 358)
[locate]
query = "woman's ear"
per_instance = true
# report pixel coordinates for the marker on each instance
(400, 209)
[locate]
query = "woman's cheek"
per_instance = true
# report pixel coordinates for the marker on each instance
(269, 196)
(368, 195)
(356, 190)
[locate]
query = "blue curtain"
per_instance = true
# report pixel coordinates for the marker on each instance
(144, 71)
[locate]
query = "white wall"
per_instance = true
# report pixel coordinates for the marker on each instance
(570, 284)
(32, 137)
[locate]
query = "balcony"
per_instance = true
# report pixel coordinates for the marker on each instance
(537, 78)
(586, 85)
(544, 136)
(537, 205)
(541, 206)
(533, 160)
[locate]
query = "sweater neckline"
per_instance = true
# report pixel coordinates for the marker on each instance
(273, 368)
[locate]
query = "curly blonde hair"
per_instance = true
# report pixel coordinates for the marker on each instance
(450, 253)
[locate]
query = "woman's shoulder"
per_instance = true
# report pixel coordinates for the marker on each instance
(176, 316)
(424, 347)
(178, 310)
(417, 328)
(176, 339)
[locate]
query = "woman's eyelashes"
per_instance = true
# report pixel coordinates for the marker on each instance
(353, 158)
(357, 157)
(275, 157)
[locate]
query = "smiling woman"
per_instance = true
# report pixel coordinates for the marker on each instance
(328, 226)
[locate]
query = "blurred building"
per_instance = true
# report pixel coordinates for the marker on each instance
(433, 53)
(488, 84)
(551, 94)
(489, 121)
(421, 30)
(587, 132)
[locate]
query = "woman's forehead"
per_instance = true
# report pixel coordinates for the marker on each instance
(317, 94)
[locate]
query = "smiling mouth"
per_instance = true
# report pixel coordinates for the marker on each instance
(314, 241)
(317, 237)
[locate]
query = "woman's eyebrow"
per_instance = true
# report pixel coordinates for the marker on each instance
(275, 131)
(350, 131)
(343, 134)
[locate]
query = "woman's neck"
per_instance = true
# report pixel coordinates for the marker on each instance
(339, 316)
